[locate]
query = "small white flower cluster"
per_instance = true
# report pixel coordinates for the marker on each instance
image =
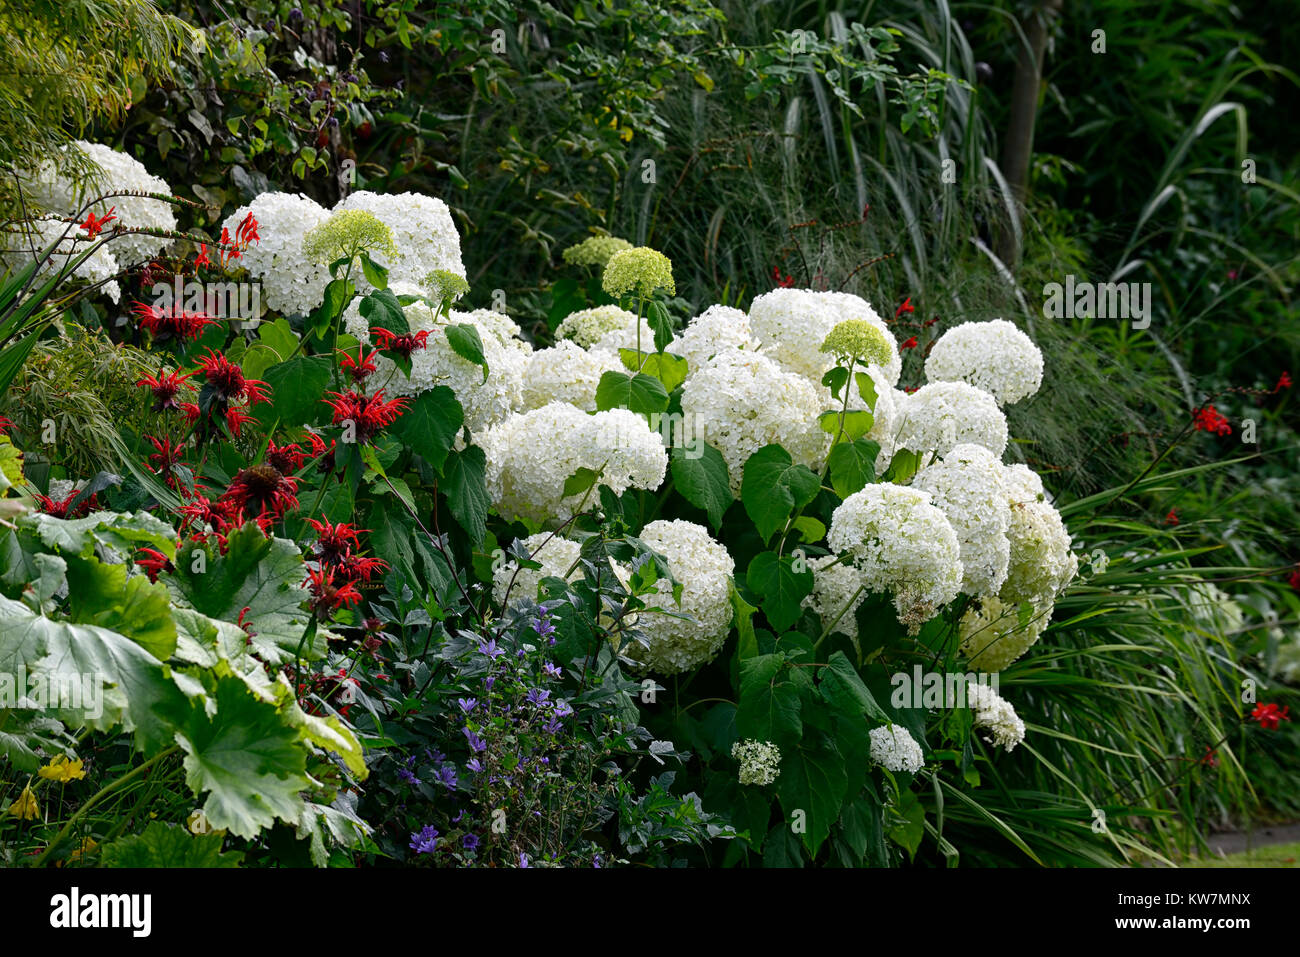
(834, 586)
(605, 325)
(995, 715)
(566, 372)
(713, 331)
(556, 555)
(992, 635)
(291, 283)
(894, 749)
(994, 356)
(939, 416)
(61, 195)
(485, 401)
(967, 485)
(423, 232)
(531, 455)
(792, 323)
(901, 543)
(760, 761)
(704, 569)
(744, 401)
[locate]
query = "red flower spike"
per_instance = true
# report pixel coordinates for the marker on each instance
(1268, 716)
(1283, 382)
(909, 344)
(1172, 517)
(905, 307)
(1210, 419)
(202, 258)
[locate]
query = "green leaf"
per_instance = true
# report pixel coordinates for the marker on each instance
(843, 689)
(866, 389)
(375, 274)
(246, 758)
(810, 529)
(853, 466)
(338, 293)
(279, 337)
(703, 480)
(770, 701)
(743, 614)
(902, 466)
(581, 480)
(781, 587)
(835, 379)
(101, 594)
(168, 845)
(430, 424)
(907, 823)
(465, 485)
(659, 320)
(855, 424)
(381, 310)
(773, 486)
(297, 387)
(640, 393)
(465, 342)
(667, 368)
(813, 780)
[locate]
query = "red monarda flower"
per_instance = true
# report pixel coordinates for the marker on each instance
(327, 594)
(174, 322)
(166, 456)
(236, 418)
(60, 509)
(1210, 419)
(165, 388)
(204, 512)
(335, 541)
(6, 424)
(261, 490)
(1270, 715)
(1294, 579)
(368, 413)
(153, 562)
(93, 226)
(403, 345)
(360, 367)
(228, 379)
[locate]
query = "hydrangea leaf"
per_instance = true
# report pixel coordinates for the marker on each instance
(844, 690)
(381, 310)
(640, 393)
(467, 344)
(703, 480)
(813, 780)
(465, 484)
(773, 486)
(782, 588)
(849, 425)
(770, 702)
(853, 466)
(297, 387)
(430, 424)
(667, 368)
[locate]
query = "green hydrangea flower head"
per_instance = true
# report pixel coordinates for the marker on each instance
(594, 251)
(857, 339)
(346, 235)
(640, 270)
(445, 286)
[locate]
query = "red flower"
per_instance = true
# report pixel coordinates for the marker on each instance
(905, 307)
(1209, 419)
(785, 283)
(403, 345)
(909, 389)
(328, 596)
(203, 512)
(367, 413)
(287, 458)
(1172, 517)
(1283, 382)
(166, 456)
(356, 568)
(202, 258)
(1294, 579)
(153, 562)
(175, 322)
(1209, 759)
(1269, 715)
(263, 487)
(228, 380)
(6, 424)
(360, 367)
(246, 232)
(93, 226)
(236, 418)
(165, 389)
(61, 509)
(191, 411)
(335, 541)
(909, 344)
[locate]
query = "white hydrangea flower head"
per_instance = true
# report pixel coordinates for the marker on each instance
(994, 714)
(556, 555)
(586, 327)
(485, 401)
(118, 171)
(742, 401)
(994, 356)
(594, 251)
(760, 761)
(1041, 563)
(902, 544)
(894, 748)
(704, 569)
(848, 306)
(531, 455)
(791, 325)
(939, 416)
(993, 633)
(97, 267)
(835, 590)
(566, 372)
(291, 283)
(423, 232)
(715, 330)
(968, 486)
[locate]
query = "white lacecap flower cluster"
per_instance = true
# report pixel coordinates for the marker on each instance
(902, 544)
(994, 714)
(531, 455)
(423, 233)
(760, 761)
(942, 415)
(835, 585)
(704, 569)
(994, 356)
(743, 401)
(792, 323)
(61, 195)
(968, 487)
(566, 372)
(894, 748)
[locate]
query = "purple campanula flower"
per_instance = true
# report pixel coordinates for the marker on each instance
(523, 860)
(551, 670)
(470, 842)
(474, 764)
(543, 625)
(457, 818)
(490, 649)
(447, 776)
(538, 697)
(476, 743)
(467, 704)
(408, 777)
(552, 726)
(562, 709)
(425, 840)
(491, 680)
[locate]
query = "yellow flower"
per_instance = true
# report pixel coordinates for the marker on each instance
(25, 807)
(61, 769)
(88, 846)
